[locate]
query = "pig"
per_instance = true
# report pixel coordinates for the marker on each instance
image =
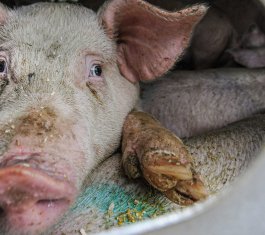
(211, 38)
(219, 97)
(69, 77)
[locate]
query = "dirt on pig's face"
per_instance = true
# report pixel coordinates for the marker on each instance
(62, 106)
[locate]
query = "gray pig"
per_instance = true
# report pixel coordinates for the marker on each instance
(68, 80)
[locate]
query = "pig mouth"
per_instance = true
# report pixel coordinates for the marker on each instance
(24, 159)
(30, 199)
(33, 160)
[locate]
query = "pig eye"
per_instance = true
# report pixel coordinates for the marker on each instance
(95, 70)
(3, 67)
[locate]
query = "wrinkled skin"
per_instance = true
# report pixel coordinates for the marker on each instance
(66, 88)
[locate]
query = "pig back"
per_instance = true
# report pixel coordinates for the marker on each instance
(190, 103)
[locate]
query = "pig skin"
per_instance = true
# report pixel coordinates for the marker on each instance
(220, 97)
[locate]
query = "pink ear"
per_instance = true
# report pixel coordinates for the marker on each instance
(149, 39)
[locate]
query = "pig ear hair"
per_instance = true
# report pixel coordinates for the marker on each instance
(3, 13)
(149, 39)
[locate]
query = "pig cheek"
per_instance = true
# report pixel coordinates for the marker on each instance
(82, 160)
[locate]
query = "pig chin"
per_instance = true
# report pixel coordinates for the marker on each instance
(36, 189)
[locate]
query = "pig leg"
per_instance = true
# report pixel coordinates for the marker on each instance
(249, 58)
(162, 158)
(253, 38)
(251, 53)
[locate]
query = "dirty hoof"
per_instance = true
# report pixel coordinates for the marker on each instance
(151, 151)
(187, 192)
(172, 174)
(131, 164)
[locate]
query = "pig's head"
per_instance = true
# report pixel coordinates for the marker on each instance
(68, 78)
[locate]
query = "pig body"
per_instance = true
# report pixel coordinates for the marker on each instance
(219, 97)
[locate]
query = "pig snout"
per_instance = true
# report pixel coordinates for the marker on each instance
(30, 199)
(36, 183)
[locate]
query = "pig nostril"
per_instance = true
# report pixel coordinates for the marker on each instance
(2, 212)
(51, 202)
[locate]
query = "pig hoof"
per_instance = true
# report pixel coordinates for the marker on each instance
(187, 192)
(171, 173)
(151, 151)
(131, 165)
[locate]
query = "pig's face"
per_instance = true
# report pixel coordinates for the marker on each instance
(63, 101)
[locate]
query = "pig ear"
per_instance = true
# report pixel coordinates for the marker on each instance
(3, 14)
(149, 40)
